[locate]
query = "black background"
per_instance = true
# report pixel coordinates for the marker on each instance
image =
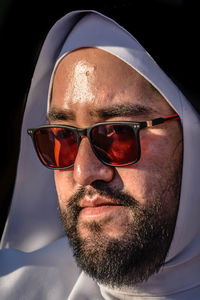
(168, 29)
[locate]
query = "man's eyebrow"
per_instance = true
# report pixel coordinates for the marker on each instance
(116, 110)
(60, 115)
(123, 110)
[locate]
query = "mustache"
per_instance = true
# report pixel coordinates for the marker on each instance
(118, 197)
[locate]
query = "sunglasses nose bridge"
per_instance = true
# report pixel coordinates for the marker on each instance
(82, 133)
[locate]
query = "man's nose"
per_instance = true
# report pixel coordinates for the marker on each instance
(88, 168)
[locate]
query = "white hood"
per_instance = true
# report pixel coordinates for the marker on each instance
(33, 221)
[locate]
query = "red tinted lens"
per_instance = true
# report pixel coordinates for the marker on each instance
(57, 147)
(115, 144)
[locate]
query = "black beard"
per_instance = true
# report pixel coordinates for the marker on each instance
(134, 257)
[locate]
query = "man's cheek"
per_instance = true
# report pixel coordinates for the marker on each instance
(63, 185)
(136, 182)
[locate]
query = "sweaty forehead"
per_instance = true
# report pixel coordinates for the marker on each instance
(93, 77)
(92, 65)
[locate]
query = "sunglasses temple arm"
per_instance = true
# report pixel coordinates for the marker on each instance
(162, 120)
(171, 117)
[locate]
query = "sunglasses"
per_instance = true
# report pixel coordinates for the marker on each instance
(114, 143)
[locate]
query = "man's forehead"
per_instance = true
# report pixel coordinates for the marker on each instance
(107, 92)
(89, 61)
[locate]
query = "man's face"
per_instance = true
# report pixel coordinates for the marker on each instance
(116, 217)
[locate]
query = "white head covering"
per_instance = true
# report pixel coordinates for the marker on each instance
(33, 224)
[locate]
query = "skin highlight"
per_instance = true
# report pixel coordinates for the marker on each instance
(92, 86)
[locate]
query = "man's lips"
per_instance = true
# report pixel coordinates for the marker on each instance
(97, 207)
(95, 202)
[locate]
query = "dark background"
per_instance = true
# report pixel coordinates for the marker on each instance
(168, 29)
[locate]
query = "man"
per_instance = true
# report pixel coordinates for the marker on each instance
(121, 143)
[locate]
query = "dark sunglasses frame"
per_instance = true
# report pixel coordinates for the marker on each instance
(136, 126)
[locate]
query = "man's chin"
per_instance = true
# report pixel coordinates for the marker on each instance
(115, 261)
(111, 222)
(120, 259)
(119, 246)
(93, 230)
